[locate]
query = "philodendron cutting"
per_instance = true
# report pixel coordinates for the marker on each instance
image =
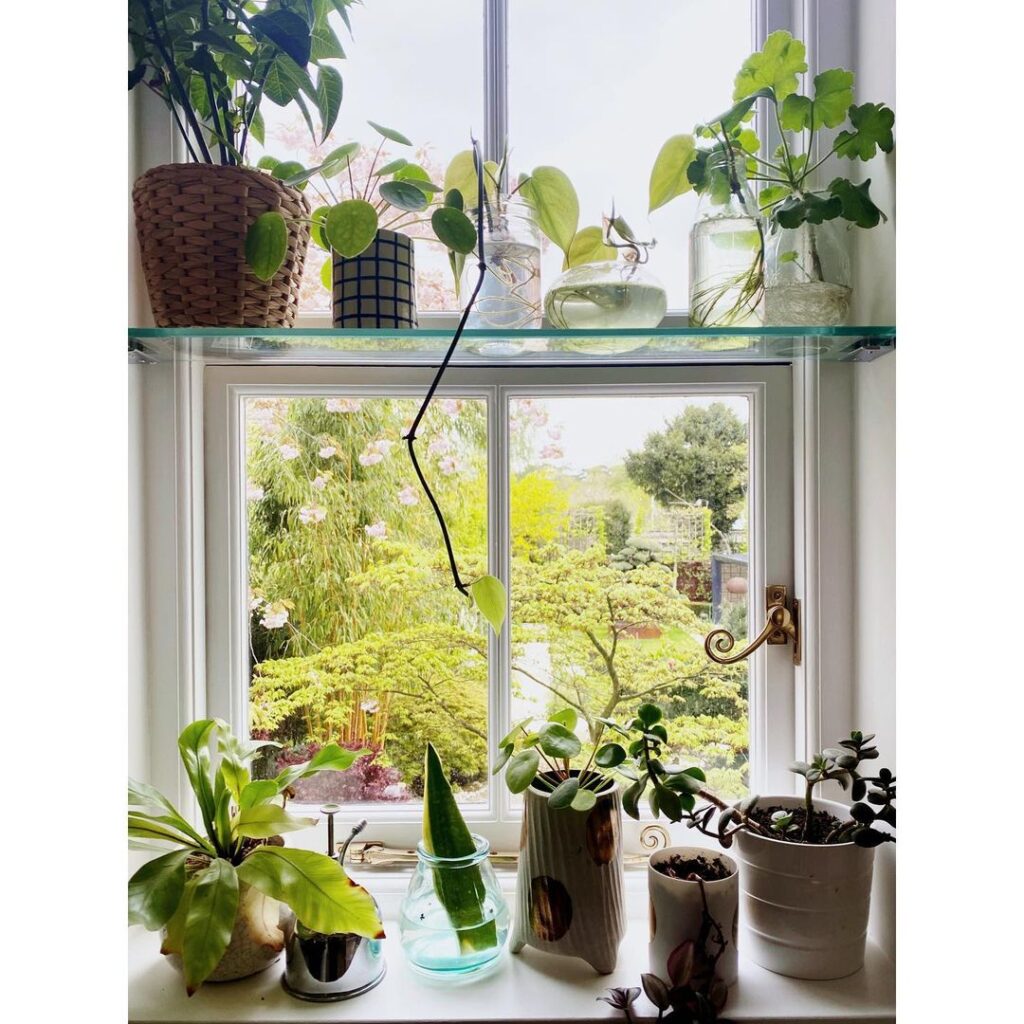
(215, 894)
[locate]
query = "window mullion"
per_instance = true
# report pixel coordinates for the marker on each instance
(495, 78)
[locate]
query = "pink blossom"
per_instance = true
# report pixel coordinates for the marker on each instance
(253, 492)
(312, 514)
(344, 404)
(451, 406)
(327, 451)
(439, 446)
(288, 452)
(370, 458)
(555, 433)
(408, 496)
(448, 466)
(382, 444)
(551, 451)
(275, 616)
(319, 482)
(378, 530)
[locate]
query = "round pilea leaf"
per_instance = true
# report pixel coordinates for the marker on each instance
(454, 229)
(522, 769)
(266, 244)
(557, 741)
(609, 755)
(564, 793)
(584, 800)
(404, 195)
(351, 227)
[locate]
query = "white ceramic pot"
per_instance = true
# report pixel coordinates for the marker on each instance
(805, 908)
(677, 911)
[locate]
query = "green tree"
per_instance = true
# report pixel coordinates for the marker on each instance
(618, 525)
(699, 456)
(539, 506)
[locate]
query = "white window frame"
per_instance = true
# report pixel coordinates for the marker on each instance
(768, 390)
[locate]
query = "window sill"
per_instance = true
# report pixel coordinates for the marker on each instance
(530, 986)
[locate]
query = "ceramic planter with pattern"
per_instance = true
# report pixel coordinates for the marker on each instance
(569, 892)
(377, 288)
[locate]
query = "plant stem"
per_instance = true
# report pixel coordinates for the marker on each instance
(808, 810)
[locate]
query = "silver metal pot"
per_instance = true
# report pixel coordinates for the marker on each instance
(324, 968)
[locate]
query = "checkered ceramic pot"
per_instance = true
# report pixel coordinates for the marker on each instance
(378, 287)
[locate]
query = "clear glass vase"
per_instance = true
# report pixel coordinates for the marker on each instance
(454, 920)
(727, 252)
(807, 275)
(606, 295)
(510, 296)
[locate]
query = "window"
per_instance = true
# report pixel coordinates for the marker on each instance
(625, 507)
(589, 87)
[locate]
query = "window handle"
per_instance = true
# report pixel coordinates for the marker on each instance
(782, 626)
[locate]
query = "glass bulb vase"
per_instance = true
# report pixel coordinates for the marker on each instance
(454, 919)
(606, 295)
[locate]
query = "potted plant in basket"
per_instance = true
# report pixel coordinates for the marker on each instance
(218, 894)
(223, 244)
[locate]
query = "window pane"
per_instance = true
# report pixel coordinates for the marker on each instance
(595, 88)
(629, 520)
(357, 636)
(417, 68)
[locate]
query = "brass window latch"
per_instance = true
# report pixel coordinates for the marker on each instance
(782, 626)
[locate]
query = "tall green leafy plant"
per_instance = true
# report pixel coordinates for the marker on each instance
(214, 62)
(193, 890)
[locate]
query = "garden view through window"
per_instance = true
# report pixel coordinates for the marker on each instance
(628, 526)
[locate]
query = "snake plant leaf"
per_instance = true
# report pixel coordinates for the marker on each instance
(328, 98)
(351, 227)
(265, 820)
(454, 230)
(288, 30)
(446, 835)
(872, 123)
(775, 66)
(316, 888)
(488, 595)
(389, 133)
(403, 195)
(555, 204)
(587, 246)
(155, 890)
(266, 244)
(668, 175)
(209, 922)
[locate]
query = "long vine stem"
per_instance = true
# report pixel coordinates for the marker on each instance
(410, 437)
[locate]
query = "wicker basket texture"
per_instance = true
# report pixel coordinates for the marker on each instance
(191, 221)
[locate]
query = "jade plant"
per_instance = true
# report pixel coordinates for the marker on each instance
(192, 891)
(445, 835)
(214, 63)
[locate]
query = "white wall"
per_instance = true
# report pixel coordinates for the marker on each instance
(874, 454)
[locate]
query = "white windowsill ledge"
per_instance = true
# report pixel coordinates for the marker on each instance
(530, 986)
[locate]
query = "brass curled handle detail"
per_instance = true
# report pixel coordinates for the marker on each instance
(781, 627)
(654, 837)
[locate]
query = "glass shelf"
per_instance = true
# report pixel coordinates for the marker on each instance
(426, 346)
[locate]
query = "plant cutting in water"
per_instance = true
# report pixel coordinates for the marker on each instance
(193, 891)
(460, 889)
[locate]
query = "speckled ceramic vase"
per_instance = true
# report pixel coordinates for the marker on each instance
(569, 897)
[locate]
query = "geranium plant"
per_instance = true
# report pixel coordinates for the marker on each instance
(192, 891)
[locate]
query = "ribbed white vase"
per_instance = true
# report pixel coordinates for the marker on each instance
(569, 896)
(805, 907)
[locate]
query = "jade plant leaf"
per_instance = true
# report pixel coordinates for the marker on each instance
(390, 134)
(155, 890)
(555, 204)
(209, 922)
(316, 888)
(775, 66)
(588, 246)
(488, 594)
(858, 207)
(668, 175)
(454, 230)
(445, 834)
(351, 227)
(872, 123)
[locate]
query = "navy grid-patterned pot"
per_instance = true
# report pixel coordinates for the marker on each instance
(378, 287)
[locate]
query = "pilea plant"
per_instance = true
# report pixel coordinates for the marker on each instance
(193, 891)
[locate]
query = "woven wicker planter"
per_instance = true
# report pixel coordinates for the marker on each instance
(191, 221)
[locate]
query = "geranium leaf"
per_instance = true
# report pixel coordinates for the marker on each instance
(872, 123)
(857, 206)
(775, 66)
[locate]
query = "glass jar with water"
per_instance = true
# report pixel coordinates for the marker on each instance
(510, 296)
(454, 920)
(726, 248)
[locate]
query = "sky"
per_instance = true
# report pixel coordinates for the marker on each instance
(601, 430)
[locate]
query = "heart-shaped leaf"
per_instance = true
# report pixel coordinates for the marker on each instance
(669, 173)
(555, 204)
(488, 594)
(588, 246)
(266, 244)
